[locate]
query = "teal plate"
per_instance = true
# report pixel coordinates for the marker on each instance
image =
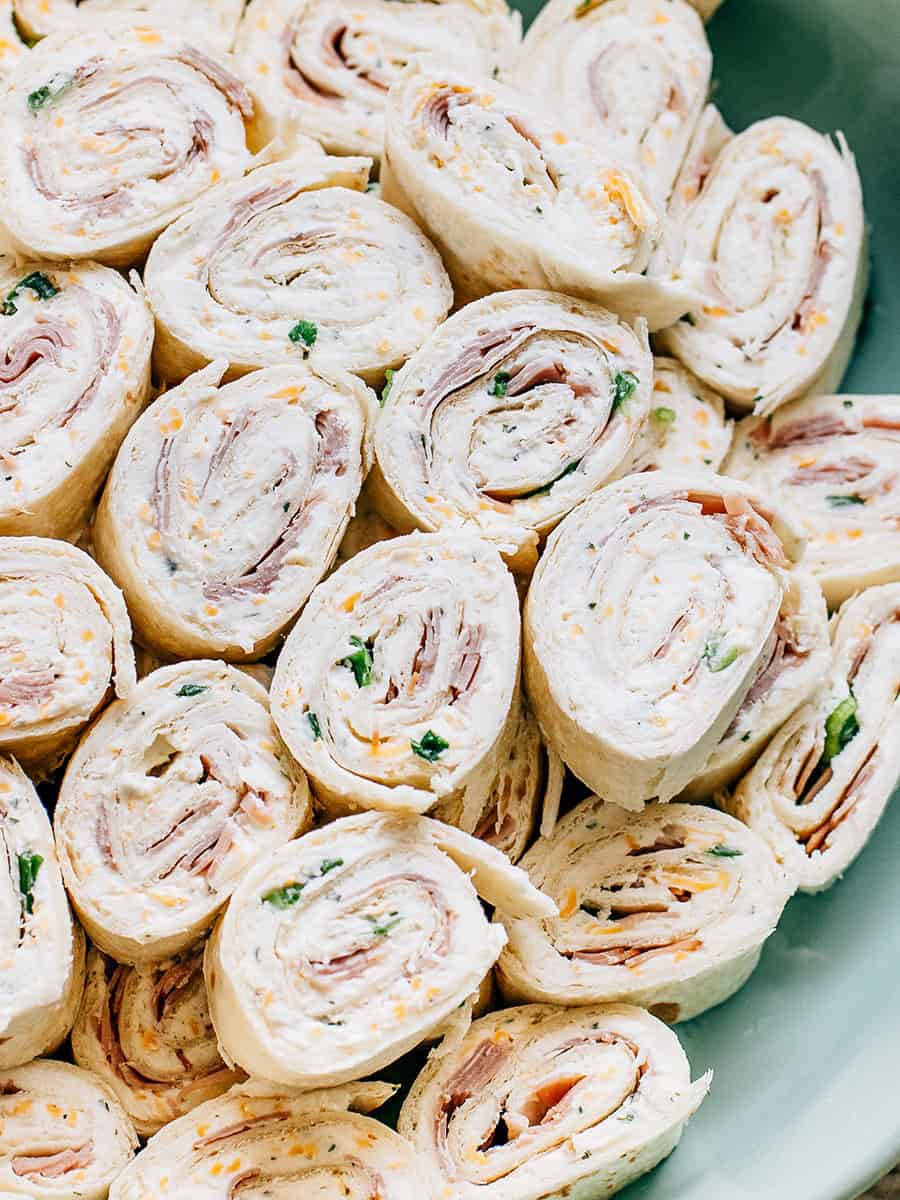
(806, 1058)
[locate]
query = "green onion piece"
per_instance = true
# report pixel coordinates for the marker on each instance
(623, 388)
(431, 747)
(383, 928)
(665, 416)
(45, 95)
(841, 727)
(499, 382)
(716, 660)
(314, 725)
(304, 331)
(722, 851)
(542, 491)
(330, 864)
(191, 689)
(283, 897)
(386, 390)
(360, 662)
(845, 501)
(29, 865)
(36, 282)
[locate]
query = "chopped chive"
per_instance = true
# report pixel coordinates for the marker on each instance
(845, 501)
(499, 383)
(388, 384)
(431, 747)
(360, 662)
(542, 491)
(304, 331)
(383, 928)
(36, 282)
(314, 725)
(665, 416)
(624, 385)
(191, 689)
(722, 851)
(29, 865)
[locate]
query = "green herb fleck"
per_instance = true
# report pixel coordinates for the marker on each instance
(720, 850)
(383, 928)
(542, 491)
(746, 737)
(623, 388)
(47, 94)
(314, 725)
(499, 383)
(431, 747)
(304, 331)
(330, 864)
(665, 416)
(29, 865)
(388, 384)
(716, 659)
(841, 727)
(845, 501)
(283, 897)
(848, 404)
(360, 662)
(191, 689)
(36, 282)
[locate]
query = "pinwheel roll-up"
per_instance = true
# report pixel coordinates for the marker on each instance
(169, 798)
(794, 666)
(687, 428)
(226, 505)
(43, 953)
(540, 1102)
(65, 642)
(511, 200)
(668, 909)
(631, 75)
(106, 136)
(650, 615)
(263, 1140)
(516, 408)
(63, 1133)
(74, 374)
(395, 687)
(147, 1032)
(833, 459)
(525, 794)
(774, 236)
(349, 946)
(214, 21)
(325, 66)
(294, 262)
(824, 780)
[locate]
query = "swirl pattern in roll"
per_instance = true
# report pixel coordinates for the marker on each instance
(823, 782)
(109, 135)
(65, 642)
(226, 505)
(74, 374)
(512, 200)
(668, 909)
(632, 76)
(525, 794)
(774, 236)
(351, 945)
(63, 1133)
(146, 1031)
(325, 66)
(42, 951)
(538, 1102)
(834, 460)
(169, 798)
(215, 21)
(646, 623)
(294, 262)
(395, 687)
(264, 1140)
(513, 411)
(687, 429)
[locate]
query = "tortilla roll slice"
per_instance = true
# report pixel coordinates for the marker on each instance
(65, 645)
(821, 786)
(146, 1031)
(75, 373)
(647, 620)
(107, 136)
(539, 1102)
(687, 428)
(265, 1140)
(774, 236)
(632, 76)
(213, 21)
(794, 667)
(348, 947)
(43, 951)
(668, 909)
(513, 411)
(512, 200)
(226, 505)
(324, 67)
(169, 798)
(395, 687)
(63, 1133)
(832, 460)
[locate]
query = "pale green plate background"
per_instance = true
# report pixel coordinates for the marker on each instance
(805, 1104)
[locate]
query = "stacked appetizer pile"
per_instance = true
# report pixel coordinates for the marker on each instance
(340, 519)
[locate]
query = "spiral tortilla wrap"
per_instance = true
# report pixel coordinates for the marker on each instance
(324, 67)
(107, 136)
(774, 236)
(348, 947)
(822, 784)
(65, 642)
(540, 1102)
(647, 620)
(513, 411)
(832, 459)
(169, 798)
(513, 201)
(43, 951)
(74, 374)
(687, 428)
(668, 909)
(213, 21)
(146, 1031)
(63, 1133)
(227, 504)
